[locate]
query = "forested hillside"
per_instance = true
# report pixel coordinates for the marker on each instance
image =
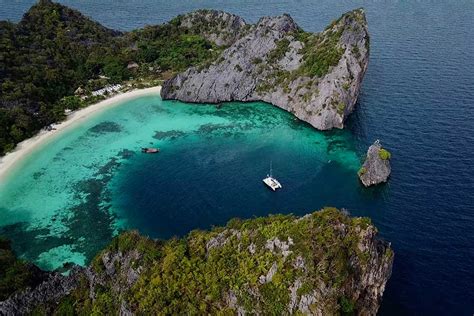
(54, 50)
(324, 263)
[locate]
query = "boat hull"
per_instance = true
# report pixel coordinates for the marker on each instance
(150, 150)
(272, 183)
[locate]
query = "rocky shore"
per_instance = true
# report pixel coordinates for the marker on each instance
(315, 76)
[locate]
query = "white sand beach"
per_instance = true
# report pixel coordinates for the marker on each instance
(26, 147)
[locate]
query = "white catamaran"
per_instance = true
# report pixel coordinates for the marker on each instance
(271, 182)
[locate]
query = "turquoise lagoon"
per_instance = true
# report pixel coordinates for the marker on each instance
(417, 97)
(70, 197)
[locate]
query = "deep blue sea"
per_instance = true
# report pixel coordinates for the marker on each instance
(417, 97)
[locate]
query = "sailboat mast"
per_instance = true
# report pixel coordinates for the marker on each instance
(271, 171)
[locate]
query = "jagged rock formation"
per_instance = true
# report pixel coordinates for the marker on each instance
(114, 270)
(219, 27)
(317, 77)
(55, 287)
(324, 263)
(376, 168)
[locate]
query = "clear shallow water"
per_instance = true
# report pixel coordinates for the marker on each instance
(417, 97)
(66, 201)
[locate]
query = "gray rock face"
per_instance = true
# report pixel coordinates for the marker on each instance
(376, 168)
(317, 77)
(219, 27)
(334, 257)
(53, 288)
(373, 280)
(118, 273)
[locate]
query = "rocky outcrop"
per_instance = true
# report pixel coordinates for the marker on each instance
(324, 263)
(376, 168)
(219, 27)
(115, 270)
(317, 77)
(55, 287)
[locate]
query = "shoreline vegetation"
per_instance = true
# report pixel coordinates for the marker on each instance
(27, 147)
(56, 60)
(324, 263)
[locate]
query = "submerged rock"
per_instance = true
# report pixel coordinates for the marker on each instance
(325, 263)
(315, 76)
(376, 168)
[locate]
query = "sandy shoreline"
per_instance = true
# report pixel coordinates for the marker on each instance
(24, 148)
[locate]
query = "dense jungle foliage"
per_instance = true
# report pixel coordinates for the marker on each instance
(54, 50)
(227, 269)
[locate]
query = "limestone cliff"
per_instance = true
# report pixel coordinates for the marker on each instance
(376, 168)
(219, 27)
(317, 77)
(324, 263)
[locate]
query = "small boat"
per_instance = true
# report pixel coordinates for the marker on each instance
(150, 150)
(271, 182)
